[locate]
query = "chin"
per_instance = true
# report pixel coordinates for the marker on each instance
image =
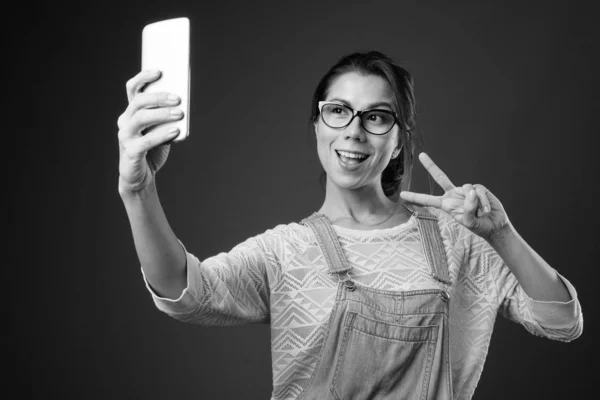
(347, 182)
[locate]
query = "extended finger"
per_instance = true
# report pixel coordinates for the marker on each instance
(438, 175)
(146, 118)
(423, 199)
(481, 192)
(151, 140)
(137, 83)
(152, 100)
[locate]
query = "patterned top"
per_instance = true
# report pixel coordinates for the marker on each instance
(280, 277)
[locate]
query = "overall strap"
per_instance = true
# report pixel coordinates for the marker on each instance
(433, 245)
(328, 242)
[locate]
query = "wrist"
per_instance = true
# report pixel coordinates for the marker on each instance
(503, 237)
(128, 191)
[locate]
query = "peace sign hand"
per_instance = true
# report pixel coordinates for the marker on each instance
(473, 206)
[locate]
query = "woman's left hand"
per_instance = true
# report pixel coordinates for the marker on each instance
(473, 206)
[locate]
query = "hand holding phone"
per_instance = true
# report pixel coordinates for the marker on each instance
(166, 47)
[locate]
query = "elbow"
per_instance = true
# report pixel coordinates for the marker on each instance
(566, 334)
(576, 331)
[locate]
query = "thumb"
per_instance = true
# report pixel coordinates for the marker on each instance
(470, 208)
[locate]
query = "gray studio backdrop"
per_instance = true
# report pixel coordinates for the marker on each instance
(505, 96)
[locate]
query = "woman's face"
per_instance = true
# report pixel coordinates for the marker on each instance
(359, 92)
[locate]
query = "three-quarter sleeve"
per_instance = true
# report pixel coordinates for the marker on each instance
(230, 288)
(555, 320)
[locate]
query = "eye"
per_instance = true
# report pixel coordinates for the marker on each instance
(378, 117)
(336, 110)
(339, 110)
(374, 117)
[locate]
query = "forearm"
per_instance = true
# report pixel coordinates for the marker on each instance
(538, 279)
(161, 255)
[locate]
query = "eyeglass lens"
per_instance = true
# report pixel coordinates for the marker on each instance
(339, 116)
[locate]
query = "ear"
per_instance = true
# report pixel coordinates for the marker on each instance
(397, 151)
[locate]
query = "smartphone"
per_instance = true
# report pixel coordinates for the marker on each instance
(166, 47)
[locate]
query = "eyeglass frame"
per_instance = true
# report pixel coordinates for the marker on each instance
(357, 113)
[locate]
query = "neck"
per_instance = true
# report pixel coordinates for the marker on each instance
(367, 205)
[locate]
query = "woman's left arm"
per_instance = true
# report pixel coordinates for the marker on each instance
(481, 212)
(538, 279)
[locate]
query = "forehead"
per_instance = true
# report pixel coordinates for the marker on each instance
(360, 90)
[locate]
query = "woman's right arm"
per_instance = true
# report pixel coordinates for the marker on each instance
(162, 257)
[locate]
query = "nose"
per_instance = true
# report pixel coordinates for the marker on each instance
(355, 130)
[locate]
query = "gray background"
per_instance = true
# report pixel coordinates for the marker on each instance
(506, 97)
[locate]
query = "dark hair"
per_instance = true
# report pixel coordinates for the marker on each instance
(397, 175)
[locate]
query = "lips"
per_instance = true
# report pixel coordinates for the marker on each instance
(350, 163)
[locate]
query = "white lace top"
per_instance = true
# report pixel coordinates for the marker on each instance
(280, 277)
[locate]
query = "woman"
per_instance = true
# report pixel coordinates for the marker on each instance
(372, 296)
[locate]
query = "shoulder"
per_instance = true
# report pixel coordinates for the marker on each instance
(292, 230)
(285, 238)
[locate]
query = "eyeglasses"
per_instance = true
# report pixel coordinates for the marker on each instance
(376, 122)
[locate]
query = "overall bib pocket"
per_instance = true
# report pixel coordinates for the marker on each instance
(383, 360)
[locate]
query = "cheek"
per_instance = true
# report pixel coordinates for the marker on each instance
(385, 151)
(325, 139)
(323, 150)
(391, 145)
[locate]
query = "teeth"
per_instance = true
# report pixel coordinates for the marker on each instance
(351, 155)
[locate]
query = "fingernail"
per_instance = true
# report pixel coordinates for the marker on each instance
(173, 131)
(487, 209)
(176, 112)
(154, 72)
(172, 98)
(472, 194)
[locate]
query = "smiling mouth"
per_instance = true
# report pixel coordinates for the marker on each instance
(355, 159)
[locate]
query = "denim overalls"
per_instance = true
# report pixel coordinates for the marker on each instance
(382, 344)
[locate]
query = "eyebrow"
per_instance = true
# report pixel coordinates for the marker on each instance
(369, 107)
